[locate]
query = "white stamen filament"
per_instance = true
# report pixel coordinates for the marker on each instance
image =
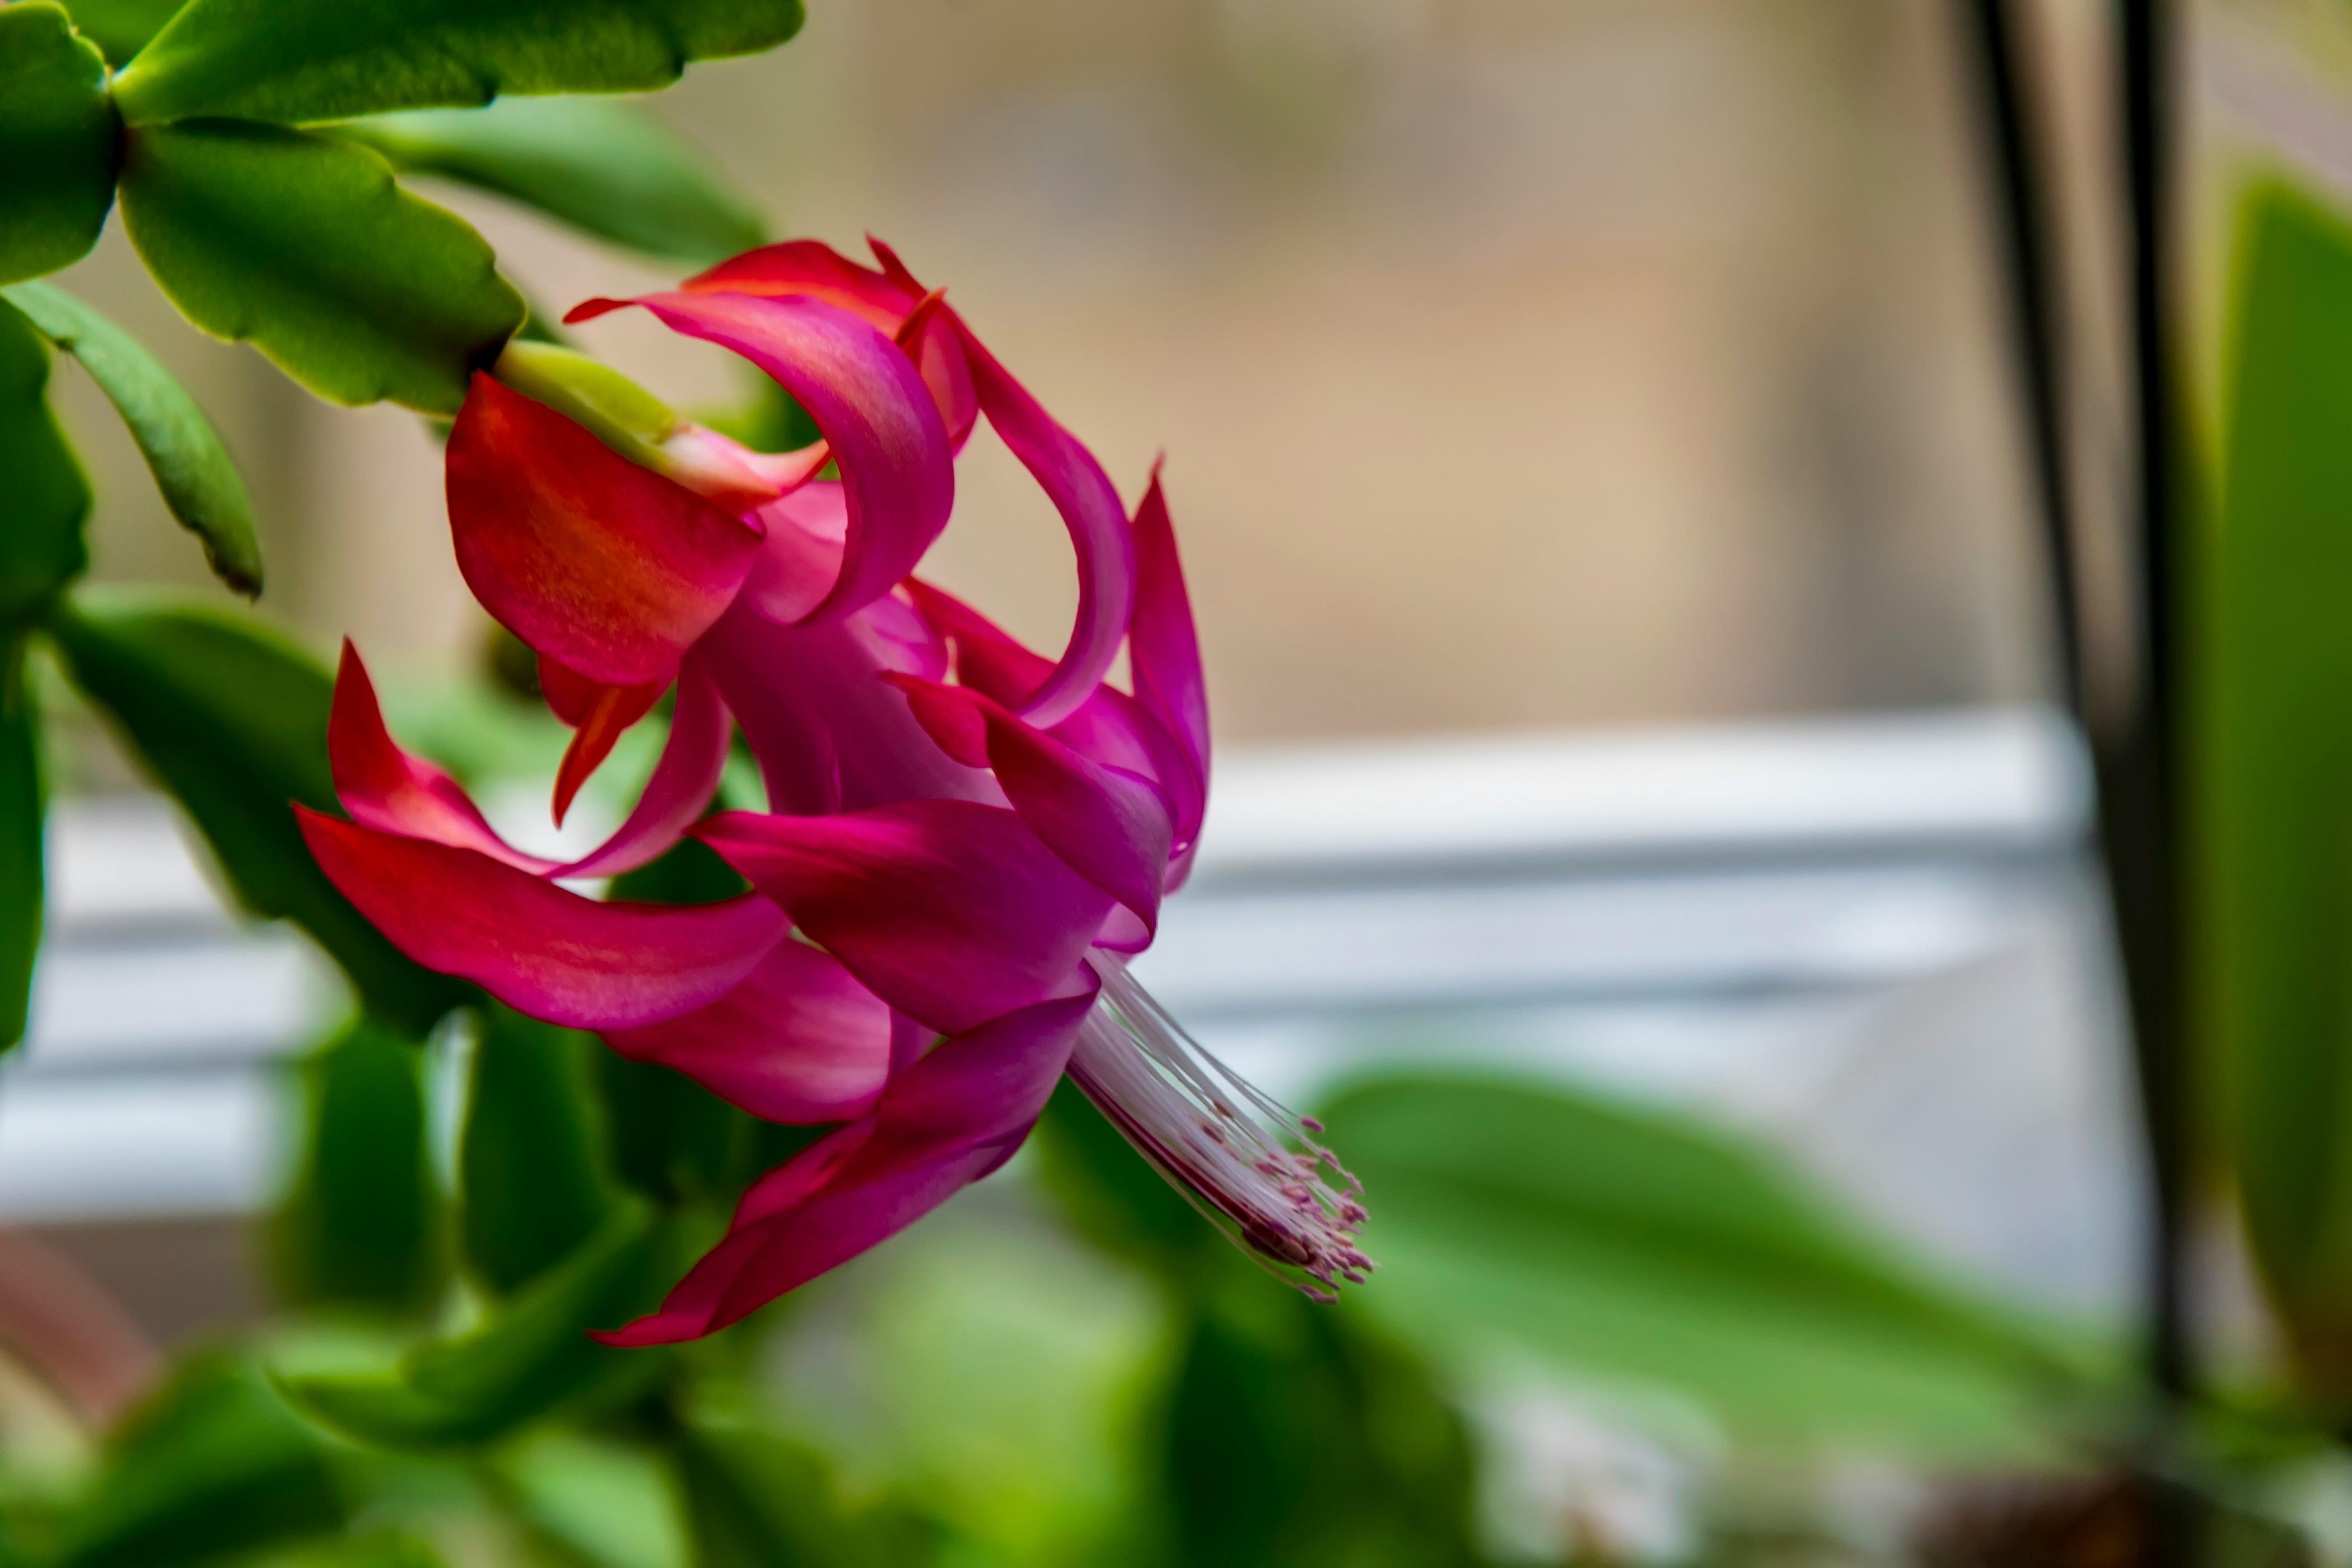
(1240, 1158)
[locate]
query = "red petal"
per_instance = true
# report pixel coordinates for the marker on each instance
(952, 913)
(384, 787)
(814, 271)
(799, 1040)
(541, 950)
(683, 780)
(1163, 646)
(605, 566)
(945, 1122)
(608, 716)
(876, 415)
(1110, 828)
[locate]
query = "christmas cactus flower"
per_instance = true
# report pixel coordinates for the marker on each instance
(964, 839)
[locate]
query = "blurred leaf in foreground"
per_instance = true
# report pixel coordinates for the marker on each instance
(1641, 1245)
(608, 169)
(2278, 662)
(212, 1463)
(231, 719)
(531, 1170)
(360, 1225)
(45, 497)
(198, 481)
(531, 1357)
(22, 812)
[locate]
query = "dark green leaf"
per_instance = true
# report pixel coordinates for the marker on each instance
(607, 168)
(212, 1463)
(307, 247)
(1116, 1198)
(755, 1499)
(671, 1139)
(2279, 767)
(21, 810)
(121, 28)
(360, 1225)
(42, 492)
(60, 141)
(192, 468)
(232, 719)
(531, 1172)
(1294, 1433)
(300, 60)
(1637, 1244)
(531, 1358)
(376, 1549)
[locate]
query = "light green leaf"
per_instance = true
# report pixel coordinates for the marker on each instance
(21, 811)
(212, 1463)
(602, 1504)
(361, 1224)
(60, 141)
(300, 60)
(755, 1499)
(306, 246)
(193, 472)
(43, 494)
(121, 28)
(232, 720)
(607, 168)
(530, 1168)
(2278, 730)
(531, 1358)
(1636, 1245)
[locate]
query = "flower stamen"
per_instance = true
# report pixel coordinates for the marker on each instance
(1250, 1165)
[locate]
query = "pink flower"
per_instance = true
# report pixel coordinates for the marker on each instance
(965, 838)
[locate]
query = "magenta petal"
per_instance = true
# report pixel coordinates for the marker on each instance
(541, 950)
(1090, 509)
(683, 782)
(814, 271)
(951, 912)
(1163, 647)
(828, 734)
(942, 1124)
(1109, 827)
(799, 1040)
(605, 566)
(384, 787)
(1109, 727)
(877, 415)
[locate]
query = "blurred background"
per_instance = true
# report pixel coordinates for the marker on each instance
(1593, 434)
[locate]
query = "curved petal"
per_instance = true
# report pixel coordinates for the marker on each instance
(814, 271)
(683, 780)
(945, 1122)
(828, 734)
(606, 715)
(1090, 509)
(545, 952)
(799, 1040)
(1109, 827)
(1109, 727)
(607, 567)
(952, 913)
(876, 415)
(384, 787)
(1162, 644)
